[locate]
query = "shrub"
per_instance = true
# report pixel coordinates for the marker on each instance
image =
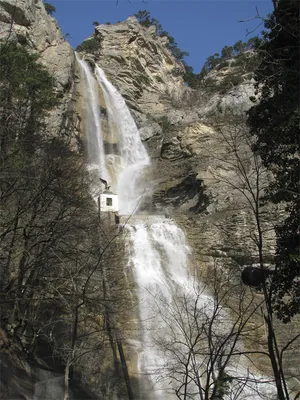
(223, 64)
(144, 18)
(89, 45)
(50, 9)
(229, 82)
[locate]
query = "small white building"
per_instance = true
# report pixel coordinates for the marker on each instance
(109, 202)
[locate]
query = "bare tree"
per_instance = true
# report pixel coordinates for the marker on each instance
(60, 285)
(203, 341)
(248, 180)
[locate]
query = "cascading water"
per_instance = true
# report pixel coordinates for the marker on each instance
(159, 262)
(95, 148)
(133, 157)
(159, 256)
(174, 309)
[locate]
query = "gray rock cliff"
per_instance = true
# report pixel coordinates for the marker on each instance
(27, 22)
(187, 134)
(198, 142)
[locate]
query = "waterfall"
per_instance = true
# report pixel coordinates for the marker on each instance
(159, 261)
(133, 156)
(95, 148)
(173, 306)
(158, 255)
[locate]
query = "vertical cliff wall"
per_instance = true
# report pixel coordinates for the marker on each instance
(187, 134)
(193, 137)
(27, 22)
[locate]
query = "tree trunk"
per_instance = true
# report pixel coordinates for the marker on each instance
(272, 343)
(10, 252)
(67, 381)
(276, 371)
(124, 365)
(112, 342)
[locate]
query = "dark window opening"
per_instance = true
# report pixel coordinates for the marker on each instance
(109, 201)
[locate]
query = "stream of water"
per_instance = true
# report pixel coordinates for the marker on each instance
(132, 158)
(93, 131)
(167, 292)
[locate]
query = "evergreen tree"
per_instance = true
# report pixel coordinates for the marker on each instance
(275, 123)
(27, 94)
(50, 9)
(238, 47)
(144, 18)
(227, 52)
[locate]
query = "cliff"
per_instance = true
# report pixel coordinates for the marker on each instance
(27, 22)
(182, 128)
(190, 136)
(203, 170)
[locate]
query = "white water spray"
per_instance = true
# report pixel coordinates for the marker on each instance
(133, 156)
(95, 148)
(174, 309)
(159, 264)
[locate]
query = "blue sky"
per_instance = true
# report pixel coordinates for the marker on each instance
(200, 27)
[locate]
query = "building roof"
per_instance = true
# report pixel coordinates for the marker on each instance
(108, 192)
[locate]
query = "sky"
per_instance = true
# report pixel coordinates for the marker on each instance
(200, 27)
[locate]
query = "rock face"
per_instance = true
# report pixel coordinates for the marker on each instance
(194, 178)
(27, 22)
(140, 65)
(200, 150)
(204, 173)
(197, 140)
(203, 183)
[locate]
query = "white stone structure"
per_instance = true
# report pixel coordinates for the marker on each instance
(109, 202)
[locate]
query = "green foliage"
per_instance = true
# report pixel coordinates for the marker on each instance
(237, 52)
(248, 61)
(144, 18)
(212, 86)
(50, 9)
(229, 52)
(223, 384)
(229, 82)
(27, 92)
(96, 23)
(22, 76)
(222, 65)
(275, 122)
(53, 249)
(190, 78)
(90, 45)
(239, 47)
